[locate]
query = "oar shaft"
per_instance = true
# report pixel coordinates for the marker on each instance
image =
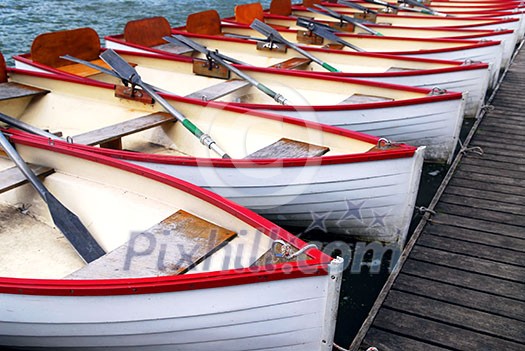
(26, 127)
(24, 168)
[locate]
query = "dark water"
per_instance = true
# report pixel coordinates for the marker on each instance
(22, 20)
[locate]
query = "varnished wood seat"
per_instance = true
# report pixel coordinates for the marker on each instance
(219, 90)
(288, 148)
(11, 90)
(110, 136)
(293, 63)
(171, 247)
(12, 177)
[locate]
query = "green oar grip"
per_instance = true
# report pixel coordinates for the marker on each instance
(192, 128)
(330, 68)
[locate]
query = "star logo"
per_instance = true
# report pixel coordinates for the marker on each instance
(353, 211)
(318, 222)
(379, 219)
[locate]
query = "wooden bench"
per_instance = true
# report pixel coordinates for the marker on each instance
(363, 99)
(293, 63)
(219, 90)
(14, 90)
(288, 148)
(12, 177)
(171, 247)
(174, 49)
(110, 136)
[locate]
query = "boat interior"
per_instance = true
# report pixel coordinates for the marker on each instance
(110, 118)
(147, 228)
(216, 83)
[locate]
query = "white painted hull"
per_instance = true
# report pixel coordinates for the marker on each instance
(278, 315)
(434, 125)
(365, 200)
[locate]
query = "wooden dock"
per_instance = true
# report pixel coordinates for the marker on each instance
(460, 284)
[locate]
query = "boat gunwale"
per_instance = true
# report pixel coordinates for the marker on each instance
(317, 265)
(449, 95)
(402, 151)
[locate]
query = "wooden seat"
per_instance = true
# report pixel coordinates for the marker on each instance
(363, 99)
(14, 90)
(293, 63)
(148, 31)
(171, 247)
(11, 178)
(219, 90)
(311, 3)
(82, 43)
(205, 22)
(173, 48)
(281, 7)
(288, 148)
(247, 13)
(110, 136)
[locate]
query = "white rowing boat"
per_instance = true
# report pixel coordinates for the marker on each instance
(291, 171)
(395, 112)
(184, 268)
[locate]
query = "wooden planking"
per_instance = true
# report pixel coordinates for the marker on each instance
(173, 246)
(288, 148)
(219, 90)
(441, 334)
(119, 130)
(449, 293)
(206, 22)
(10, 90)
(465, 273)
(464, 317)
(11, 178)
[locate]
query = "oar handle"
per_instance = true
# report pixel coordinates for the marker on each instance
(26, 127)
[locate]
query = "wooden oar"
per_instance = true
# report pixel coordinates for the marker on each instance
(129, 74)
(322, 30)
(215, 56)
(274, 35)
(430, 11)
(68, 223)
(344, 18)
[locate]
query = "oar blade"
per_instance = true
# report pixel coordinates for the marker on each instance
(120, 66)
(73, 229)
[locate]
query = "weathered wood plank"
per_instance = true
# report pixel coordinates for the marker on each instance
(465, 279)
(11, 178)
(490, 180)
(496, 127)
(119, 130)
(449, 293)
(364, 99)
(470, 264)
(392, 342)
(478, 236)
(10, 90)
(440, 334)
(219, 90)
(472, 249)
(457, 316)
(288, 148)
(469, 190)
(467, 183)
(485, 204)
(172, 247)
(514, 174)
(478, 224)
(477, 213)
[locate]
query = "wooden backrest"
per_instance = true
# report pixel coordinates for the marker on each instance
(205, 22)
(3, 69)
(147, 31)
(82, 43)
(247, 13)
(310, 3)
(281, 7)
